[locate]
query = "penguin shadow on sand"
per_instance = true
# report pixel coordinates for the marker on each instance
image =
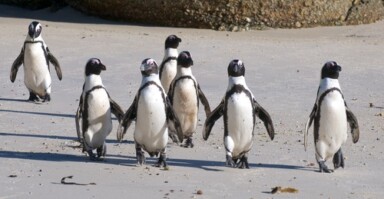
(209, 165)
(40, 113)
(64, 156)
(24, 100)
(13, 100)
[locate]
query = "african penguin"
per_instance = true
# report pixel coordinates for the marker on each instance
(152, 112)
(35, 56)
(95, 108)
(168, 66)
(240, 109)
(331, 115)
(184, 95)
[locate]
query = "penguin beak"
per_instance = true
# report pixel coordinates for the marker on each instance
(338, 67)
(102, 67)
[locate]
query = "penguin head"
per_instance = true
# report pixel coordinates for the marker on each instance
(236, 68)
(94, 67)
(172, 41)
(331, 70)
(148, 67)
(34, 30)
(185, 59)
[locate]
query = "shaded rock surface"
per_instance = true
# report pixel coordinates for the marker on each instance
(30, 4)
(36, 4)
(233, 15)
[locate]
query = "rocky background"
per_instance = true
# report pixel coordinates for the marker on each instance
(233, 15)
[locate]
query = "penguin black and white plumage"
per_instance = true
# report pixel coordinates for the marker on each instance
(184, 94)
(153, 113)
(168, 66)
(331, 115)
(94, 111)
(240, 109)
(35, 56)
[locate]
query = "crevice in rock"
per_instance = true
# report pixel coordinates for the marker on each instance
(350, 10)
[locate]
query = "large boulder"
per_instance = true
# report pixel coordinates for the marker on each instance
(36, 4)
(226, 14)
(236, 14)
(30, 4)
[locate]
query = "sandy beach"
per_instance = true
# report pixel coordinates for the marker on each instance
(38, 141)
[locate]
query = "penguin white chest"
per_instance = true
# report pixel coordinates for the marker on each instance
(99, 117)
(36, 72)
(240, 122)
(333, 122)
(185, 104)
(168, 74)
(151, 124)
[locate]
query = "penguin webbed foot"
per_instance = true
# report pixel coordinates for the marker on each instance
(188, 143)
(174, 138)
(47, 98)
(324, 168)
(243, 163)
(140, 156)
(162, 161)
(101, 151)
(229, 162)
(338, 159)
(91, 155)
(33, 97)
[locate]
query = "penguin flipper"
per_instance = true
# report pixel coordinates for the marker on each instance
(353, 124)
(116, 109)
(16, 64)
(170, 92)
(211, 119)
(308, 125)
(171, 117)
(265, 117)
(204, 101)
(79, 113)
(55, 62)
(127, 119)
(163, 63)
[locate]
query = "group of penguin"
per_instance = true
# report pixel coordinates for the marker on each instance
(167, 103)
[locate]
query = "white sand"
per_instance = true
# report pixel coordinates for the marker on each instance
(282, 70)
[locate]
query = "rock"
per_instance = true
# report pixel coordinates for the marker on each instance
(224, 15)
(298, 24)
(30, 4)
(36, 4)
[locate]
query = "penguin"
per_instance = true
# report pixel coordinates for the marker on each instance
(35, 57)
(184, 95)
(240, 109)
(330, 115)
(168, 66)
(94, 111)
(152, 112)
